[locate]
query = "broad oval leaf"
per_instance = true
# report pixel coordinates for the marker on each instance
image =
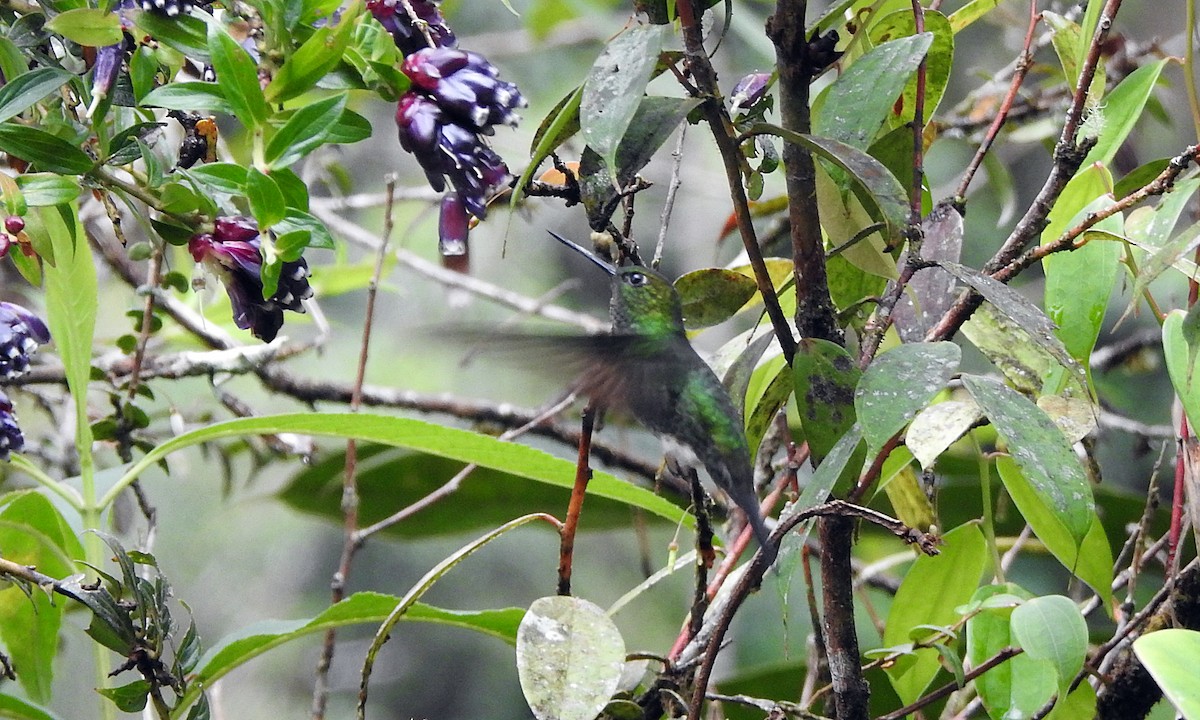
(42, 189)
(937, 427)
(824, 380)
(712, 295)
(1017, 688)
(266, 202)
(1051, 628)
(899, 383)
(614, 87)
(1172, 656)
(1041, 451)
(570, 658)
(931, 591)
(937, 61)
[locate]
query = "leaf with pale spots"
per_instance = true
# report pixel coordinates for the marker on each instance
(898, 384)
(570, 658)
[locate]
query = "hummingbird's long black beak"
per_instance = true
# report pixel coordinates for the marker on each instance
(590, 256)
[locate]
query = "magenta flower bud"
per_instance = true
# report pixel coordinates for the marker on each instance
(749, 90)
(233, 252)
(14, 224)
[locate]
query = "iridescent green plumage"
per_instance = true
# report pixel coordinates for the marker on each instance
(647, 368)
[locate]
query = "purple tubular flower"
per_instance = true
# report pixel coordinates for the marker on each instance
(395, 19)
(466, 86)
(11, 439)
(233, 252)
(20, 334)
(104, 73)
(453, 224)
(446, 149)
(749, 90)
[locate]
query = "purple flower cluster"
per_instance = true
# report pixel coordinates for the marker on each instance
(395, 19)
(456, 99)
(233, 251)
(21, 332)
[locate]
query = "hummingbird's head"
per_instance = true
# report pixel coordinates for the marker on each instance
(644, 303)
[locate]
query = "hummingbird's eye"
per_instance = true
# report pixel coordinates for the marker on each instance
(636, 279)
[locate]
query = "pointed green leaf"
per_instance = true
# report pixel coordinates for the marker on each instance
(319, 54)
(11, 707)
(712, 295)
(71, 301)
(932, 588)
(237, 74)
(447, 442)
(861, 99)
(1181, 356)
(938, 60)
(824, 377)
(1122, 108)
(184, 33)
(559, 124)
(1172, 656)
(21, 92)
(614, 88)
(189, 95)
(87, 26)
(305, 131)
(899, 384)
(42, 189)
(570, 657)
(1040, 450)
(48, 152)
(266, 200)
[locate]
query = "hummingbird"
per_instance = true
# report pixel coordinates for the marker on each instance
(647, 368)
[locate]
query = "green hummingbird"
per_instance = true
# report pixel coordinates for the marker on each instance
(647, 368)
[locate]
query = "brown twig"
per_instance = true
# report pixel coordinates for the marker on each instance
(583, 474)
(1000, 657)
(718, 122)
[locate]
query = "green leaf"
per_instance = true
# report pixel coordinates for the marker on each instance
(294, 220)
(974, 10)
(349, 129)
(390, 479)
(319, 54)
(1151, 229)
(71, 301)
(363, 607)
(11, 707)
(1014, 306)
(266, 200)
(184, 33)
(898, 384)
(1079, 283)
(1172, 656)
(837, 464)
(32, 532)
(559, 124)
(237, 74)
(1051, 628)
(48, 152)
(614, 88)
(938, 60)
(226, 177)
(1122, 108)
(42, 189)
(305, 131)
(87, 26)
(1040, 450)
(129, 698)
(932, 588)
(189, 95)
(23, 91)
(1019, 687)
(939, 426)
(570, 658)
(1183, 359)
(861, 99)
(824, 378)
(883, 191)
(426, 437)
(765, 398)
(712, 295)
